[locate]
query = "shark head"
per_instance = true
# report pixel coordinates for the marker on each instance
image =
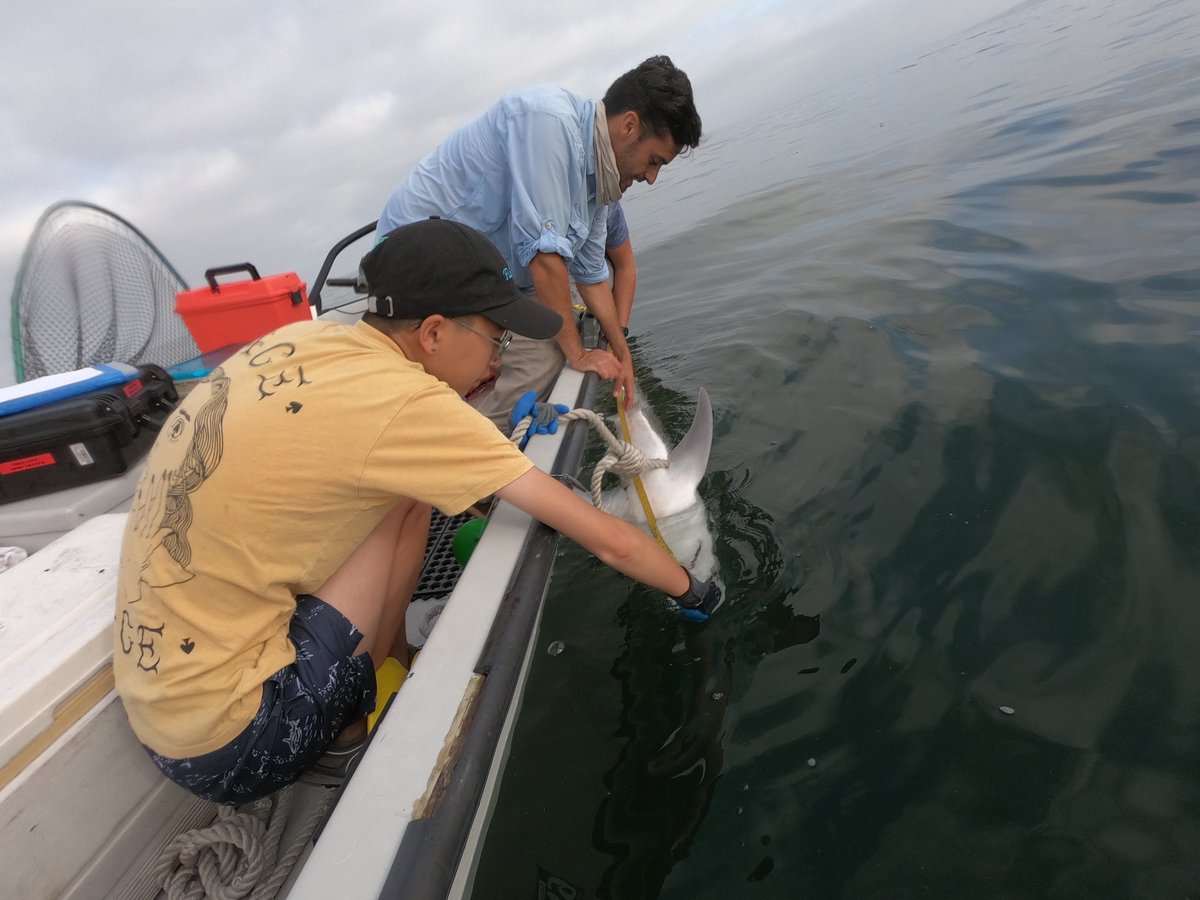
(672, 492)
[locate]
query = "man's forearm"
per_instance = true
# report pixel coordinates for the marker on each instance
(624, 284)
(549, 273)
(600, 303)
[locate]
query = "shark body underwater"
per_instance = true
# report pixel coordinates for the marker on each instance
(672, 492)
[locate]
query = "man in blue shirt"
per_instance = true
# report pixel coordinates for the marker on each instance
(535, 174)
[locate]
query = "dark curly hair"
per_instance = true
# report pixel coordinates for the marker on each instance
(661, 95)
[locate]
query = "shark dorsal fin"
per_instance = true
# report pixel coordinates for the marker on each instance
(689, 459)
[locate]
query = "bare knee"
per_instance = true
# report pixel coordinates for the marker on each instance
(372, 585)
(418, 517)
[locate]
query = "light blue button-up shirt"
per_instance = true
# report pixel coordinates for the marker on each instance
(523, 173)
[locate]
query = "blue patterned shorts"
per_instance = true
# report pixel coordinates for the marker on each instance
(304, 707)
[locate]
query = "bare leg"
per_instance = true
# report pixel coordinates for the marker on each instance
(373, 587)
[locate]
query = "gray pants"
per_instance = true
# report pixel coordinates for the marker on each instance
(527, 365)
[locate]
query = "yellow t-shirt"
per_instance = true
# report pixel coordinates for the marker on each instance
(261, 483)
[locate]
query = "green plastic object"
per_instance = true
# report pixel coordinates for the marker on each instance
(466, 538)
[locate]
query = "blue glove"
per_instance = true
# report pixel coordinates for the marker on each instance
(545, 415)
(526, 405)
(700, 600)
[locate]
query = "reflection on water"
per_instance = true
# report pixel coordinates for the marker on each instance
(949, 322)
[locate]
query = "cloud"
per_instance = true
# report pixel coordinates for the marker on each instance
(233, 120)
(229, 132)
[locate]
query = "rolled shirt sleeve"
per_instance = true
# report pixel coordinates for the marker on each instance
(589, 265)
(541, 154)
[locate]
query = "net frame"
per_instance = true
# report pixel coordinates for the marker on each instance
(92, 288)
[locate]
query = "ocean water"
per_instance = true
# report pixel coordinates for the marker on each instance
(948, 315)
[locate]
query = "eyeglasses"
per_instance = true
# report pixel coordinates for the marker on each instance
(501, 342)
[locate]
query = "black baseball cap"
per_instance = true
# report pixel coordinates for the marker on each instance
(445, 267)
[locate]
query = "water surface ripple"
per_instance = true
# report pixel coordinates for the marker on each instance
(948, 316)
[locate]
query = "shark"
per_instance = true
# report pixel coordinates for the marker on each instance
(672, 492)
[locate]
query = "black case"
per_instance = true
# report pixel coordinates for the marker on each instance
(83, 439)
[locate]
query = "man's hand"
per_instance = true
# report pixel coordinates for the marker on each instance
(599, 301)
(610, 368)
(603, 363)
(624, 384)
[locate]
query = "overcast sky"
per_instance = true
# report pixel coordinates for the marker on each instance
(232, 131)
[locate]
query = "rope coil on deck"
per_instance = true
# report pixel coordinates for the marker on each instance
(238, 855)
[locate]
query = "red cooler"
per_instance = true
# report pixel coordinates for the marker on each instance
(237, 312)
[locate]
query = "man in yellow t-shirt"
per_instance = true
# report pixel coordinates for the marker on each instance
(278, 531)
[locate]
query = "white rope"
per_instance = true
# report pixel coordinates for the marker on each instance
(236, 857)
(622, 459)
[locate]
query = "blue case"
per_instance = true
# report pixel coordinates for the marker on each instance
(51, 388)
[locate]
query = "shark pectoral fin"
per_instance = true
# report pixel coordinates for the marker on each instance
(689, 459)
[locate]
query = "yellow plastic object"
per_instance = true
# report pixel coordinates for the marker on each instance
(388, 678)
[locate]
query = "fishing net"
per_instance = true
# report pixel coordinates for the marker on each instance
(93, 289)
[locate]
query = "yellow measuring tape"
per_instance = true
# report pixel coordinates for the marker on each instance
(637, 483)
